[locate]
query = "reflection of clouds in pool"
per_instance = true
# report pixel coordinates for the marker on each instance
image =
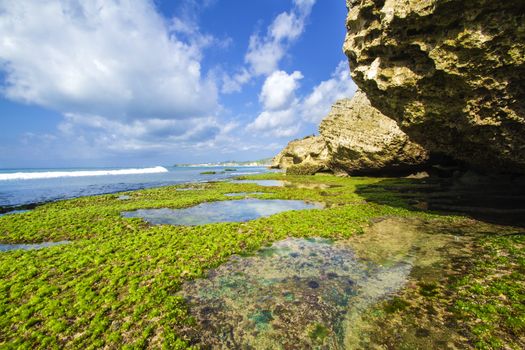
(7, 247)
(279, 183)
(222, 211)
(12, 212)
(265, 183)
(244, 194)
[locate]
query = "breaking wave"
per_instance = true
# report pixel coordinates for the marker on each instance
(55, 174)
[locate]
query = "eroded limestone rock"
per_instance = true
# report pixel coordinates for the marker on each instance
(305, 156)
(450, 72)
(362, 140)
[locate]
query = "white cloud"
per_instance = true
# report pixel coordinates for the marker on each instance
(117, 59)
(235, 83)
(304, 6)
(317, 104)
(115, 136)
(284, 114)
(266, 51)
(286, 26)
(280, 105)
(268, 120)
(275, 123)
(278, 91)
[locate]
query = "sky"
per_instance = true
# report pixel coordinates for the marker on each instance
(87, 83)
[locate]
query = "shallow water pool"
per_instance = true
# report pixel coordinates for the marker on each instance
(13, 212)
(8, 247)
(265, 183)
(298, 293)
(243, 194)
(222, 211)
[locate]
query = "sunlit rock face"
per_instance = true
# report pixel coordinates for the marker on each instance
(304, 156)
(360, 139)
(355, 138)
(450, 72)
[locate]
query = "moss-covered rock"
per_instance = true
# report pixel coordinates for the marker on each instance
(305, 168)
(450, 72)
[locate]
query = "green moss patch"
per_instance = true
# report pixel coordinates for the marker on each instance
(115, 285)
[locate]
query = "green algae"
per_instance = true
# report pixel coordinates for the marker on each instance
(117, 284)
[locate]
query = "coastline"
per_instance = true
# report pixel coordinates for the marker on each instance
(363, 212)
(121, 183)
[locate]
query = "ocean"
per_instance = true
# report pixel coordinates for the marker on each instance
(20, 187)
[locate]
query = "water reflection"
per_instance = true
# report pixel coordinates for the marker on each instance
(223, 211)
(7, 247)
(279, 183)
(309, 186)
(265, 183)
(12, 212)
(243, 194)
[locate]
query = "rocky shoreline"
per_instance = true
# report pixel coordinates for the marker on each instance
(437, 80)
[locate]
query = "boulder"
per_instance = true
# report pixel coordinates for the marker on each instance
(305, 156)
(361, 140)
(450, 72)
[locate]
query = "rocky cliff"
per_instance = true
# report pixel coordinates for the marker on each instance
(450, 72)
(355, 139)
(305, 156)
(361, 140)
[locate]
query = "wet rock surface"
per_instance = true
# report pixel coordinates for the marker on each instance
(294, 294)
(450, 72)
(316, 293)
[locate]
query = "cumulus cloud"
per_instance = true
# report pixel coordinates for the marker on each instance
(278, 91)
(284, 114)
(265, 52)
(317, 104)
(280, 104)
(117, 59)
(126, 79)
(234, 83)
(139, 135)
(275, 123)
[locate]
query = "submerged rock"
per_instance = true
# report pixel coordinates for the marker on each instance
(295, 294)
(450, 72)
(306, 156)
(362, 140)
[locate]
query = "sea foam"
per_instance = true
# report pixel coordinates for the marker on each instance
(55, 174)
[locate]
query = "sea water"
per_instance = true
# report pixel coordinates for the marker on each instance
(27, 186)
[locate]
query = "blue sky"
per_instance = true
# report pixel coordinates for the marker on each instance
(140, 83)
